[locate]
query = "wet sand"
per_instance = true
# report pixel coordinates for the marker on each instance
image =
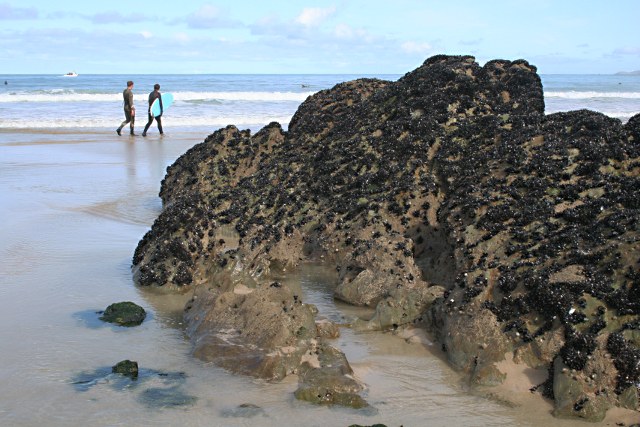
(74, 206)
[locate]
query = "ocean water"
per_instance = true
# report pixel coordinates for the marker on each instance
(208, 102)
(614, 95)
(202, 102)
(75, 201)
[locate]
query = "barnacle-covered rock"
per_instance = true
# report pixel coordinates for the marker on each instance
(446, 198)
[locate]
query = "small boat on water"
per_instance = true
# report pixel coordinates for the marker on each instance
(71, 74)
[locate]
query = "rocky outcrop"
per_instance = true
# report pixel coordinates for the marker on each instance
(446, 198)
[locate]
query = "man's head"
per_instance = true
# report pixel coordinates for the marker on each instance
(129, 83)
(156, 86)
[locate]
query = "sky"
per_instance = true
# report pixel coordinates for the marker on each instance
(313, 37)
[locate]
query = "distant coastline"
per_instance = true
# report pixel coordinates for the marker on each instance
(628, 73)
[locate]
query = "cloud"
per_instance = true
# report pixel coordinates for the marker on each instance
(629, 50)
(346, 32)
(59, 14)
(343, 31)
(209, 16)
(271, 26)
(413, 47)
(304, 29)
(8, 12)
(116, 17)
(182, 37)
(314, 16)
(146, 34)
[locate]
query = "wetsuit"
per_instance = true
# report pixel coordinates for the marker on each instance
(152, 97)
(129, 110)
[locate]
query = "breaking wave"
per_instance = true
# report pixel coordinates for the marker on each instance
(78, 96)
(591, 95)
(252, 121)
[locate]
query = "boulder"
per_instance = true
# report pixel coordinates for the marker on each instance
(327, 379)
(127, 368)
(124, 313)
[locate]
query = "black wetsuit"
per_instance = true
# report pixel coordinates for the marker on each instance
(129, 110)
(152, 97)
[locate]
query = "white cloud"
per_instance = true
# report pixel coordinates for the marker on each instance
(412, 47)
(268, 25)
(116, 17)
(346, 32)
(207, 16)
(146, 34)
(182, 37)
(629, 50)
(343, 31)
(8, 12)
(314, 16)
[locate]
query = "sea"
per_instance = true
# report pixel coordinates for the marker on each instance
(75, 200)
(208, 102)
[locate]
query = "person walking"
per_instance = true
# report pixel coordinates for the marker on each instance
(152, 97)
(129, 109)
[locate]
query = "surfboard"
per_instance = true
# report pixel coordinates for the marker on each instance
(167, 100)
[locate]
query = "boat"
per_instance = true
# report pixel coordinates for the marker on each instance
(71, 74)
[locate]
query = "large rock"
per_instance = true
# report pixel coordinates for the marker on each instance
(260, 331)
(447, 197)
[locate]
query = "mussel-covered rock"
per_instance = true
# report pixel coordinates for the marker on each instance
(446, 198)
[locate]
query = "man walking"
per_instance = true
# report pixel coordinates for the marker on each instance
(152, 97)
(129, 109)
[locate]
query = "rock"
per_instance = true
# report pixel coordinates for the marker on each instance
(541, 351)
(365, 289)
(331, 382)
(571, 399)
(402, 306)
(127, 368)
(124, 313)
(447, 196)
(327, 329)
(125, 376)
(263, 333)
(629, 398)
(460, 333)
(157, 397)
(244, 410)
